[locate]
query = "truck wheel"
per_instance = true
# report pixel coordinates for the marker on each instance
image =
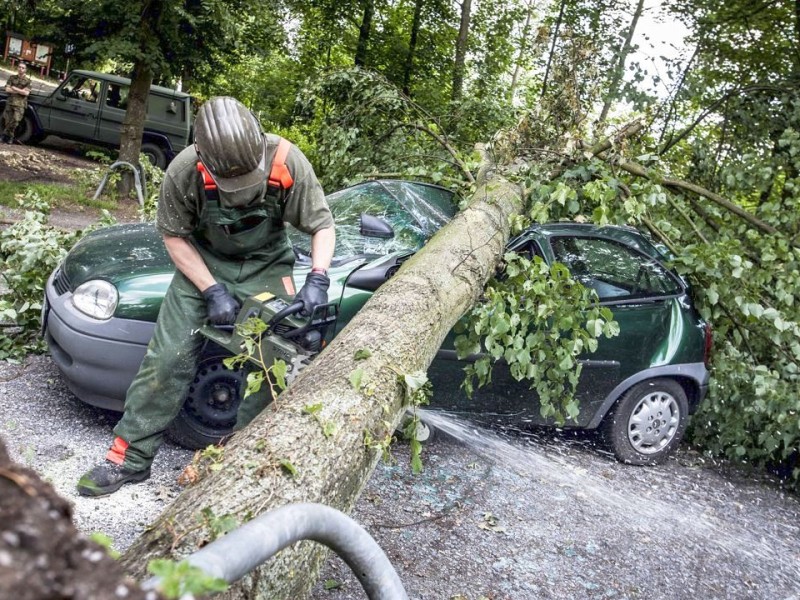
(26, 132)
(209, 412)
(647, 422)
(155, 154)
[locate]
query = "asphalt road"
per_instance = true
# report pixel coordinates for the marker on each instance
(516, 517)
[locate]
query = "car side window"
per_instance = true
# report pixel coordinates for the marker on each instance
(82, 88)
(612, 269)
(117, 96)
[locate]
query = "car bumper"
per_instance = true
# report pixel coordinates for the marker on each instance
(98, 359)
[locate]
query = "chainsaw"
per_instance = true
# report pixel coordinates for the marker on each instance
(293, 339)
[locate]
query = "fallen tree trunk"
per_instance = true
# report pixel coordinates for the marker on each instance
(284, 456)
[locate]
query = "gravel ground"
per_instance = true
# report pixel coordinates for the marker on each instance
(516, 517)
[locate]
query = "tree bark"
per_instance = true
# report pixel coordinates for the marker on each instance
(403, 325)
(412, 47)
(364, 33)
(133, 123)
(523, 48)
(619, 70)
(553, 46)
(459, 65)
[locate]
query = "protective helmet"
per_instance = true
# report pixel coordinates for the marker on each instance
(230, 145)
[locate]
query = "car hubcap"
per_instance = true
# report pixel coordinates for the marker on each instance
(213, 398)
(653, 422)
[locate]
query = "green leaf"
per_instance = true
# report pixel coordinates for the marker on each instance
(178, 579)
(355, 379)
(416, 456)
(328, 428)
(254, 381)
(312, 409)
(287, 466)
(415, 381)
(279, 371)
(362, 354)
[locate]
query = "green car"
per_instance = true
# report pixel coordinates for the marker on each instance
(639, 388)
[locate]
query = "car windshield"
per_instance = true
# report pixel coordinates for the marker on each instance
(415, 211)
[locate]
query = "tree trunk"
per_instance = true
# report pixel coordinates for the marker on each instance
(403, 325)
(556, 29)
(459, 65)
(619, 70)
(412, 47)
(364, 32)
(523, 48)
(133, 123)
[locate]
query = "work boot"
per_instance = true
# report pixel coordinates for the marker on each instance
(107, 478)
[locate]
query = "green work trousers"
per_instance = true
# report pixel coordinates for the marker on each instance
(12, 116)
(157, 393)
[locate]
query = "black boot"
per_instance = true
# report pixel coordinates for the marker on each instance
(5, 139)
(107, 478)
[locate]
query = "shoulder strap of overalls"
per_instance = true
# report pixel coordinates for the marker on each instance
(279, 175)
(209, 185)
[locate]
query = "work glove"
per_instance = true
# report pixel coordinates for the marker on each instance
(222, 307)
(313, 293)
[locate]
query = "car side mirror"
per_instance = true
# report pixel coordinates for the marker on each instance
(61, 95)
(375, 227)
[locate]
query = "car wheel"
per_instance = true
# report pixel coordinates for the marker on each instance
(26, 131)
(208, 414)
(155, 155)
(647, 422)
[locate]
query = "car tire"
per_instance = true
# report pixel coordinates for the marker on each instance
(647, 423)
(155, 154)
(208, 414)
(26, 132)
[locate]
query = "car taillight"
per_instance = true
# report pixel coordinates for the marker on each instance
(709, 343)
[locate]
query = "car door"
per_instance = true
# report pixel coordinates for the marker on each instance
(113, 106)
(642, 295)
(74, 108)
(645, 299)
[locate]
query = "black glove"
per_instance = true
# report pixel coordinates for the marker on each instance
(313, 293)
(222, 307)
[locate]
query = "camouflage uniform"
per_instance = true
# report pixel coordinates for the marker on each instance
(15, 105)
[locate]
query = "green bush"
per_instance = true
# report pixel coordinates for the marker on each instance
(29, 250)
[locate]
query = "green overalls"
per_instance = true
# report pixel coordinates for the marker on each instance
(248, 251)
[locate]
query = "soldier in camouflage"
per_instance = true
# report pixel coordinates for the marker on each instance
(17, 87)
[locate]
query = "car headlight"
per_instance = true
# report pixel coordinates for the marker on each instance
(96, 298)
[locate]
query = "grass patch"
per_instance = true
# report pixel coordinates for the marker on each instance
(60, 195)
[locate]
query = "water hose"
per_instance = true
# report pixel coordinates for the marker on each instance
(242, 550)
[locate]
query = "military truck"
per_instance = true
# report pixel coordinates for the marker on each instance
(89, 107)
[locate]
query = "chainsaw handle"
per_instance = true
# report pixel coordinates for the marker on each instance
(292, 309)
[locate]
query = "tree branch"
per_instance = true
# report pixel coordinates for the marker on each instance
(443, 142)
(678, 184)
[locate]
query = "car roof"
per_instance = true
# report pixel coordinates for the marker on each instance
(619, 233)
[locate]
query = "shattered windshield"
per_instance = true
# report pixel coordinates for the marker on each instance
(415, 212)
